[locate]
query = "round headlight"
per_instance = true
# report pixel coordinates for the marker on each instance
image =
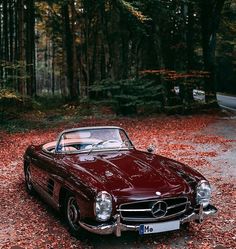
(103, 206)
(203, 193)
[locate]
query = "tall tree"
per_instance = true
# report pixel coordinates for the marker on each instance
(30, 51)
(11, 30)
(1, 49)
(210, 19)
(70, 49)
(21, 47)
(5, 29)
(74, 87)
(190, 35)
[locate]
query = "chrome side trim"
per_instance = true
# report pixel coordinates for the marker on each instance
(117, 227)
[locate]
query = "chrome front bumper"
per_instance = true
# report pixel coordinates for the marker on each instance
(117, 227)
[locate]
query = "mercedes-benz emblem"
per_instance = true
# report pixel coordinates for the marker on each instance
(159, 209)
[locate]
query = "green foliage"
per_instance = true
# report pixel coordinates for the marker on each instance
(12, 73)
(12, 103)
(181, 100)
(130, 96)
(9, 99)
(46, 102)
(79, 43)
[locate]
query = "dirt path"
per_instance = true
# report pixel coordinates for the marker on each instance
(206, 143)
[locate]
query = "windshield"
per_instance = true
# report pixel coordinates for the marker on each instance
(93, 139)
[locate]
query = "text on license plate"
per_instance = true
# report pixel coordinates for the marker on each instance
(159, 227)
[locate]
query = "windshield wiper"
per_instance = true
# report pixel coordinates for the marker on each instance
(106, 141)
(95, 145)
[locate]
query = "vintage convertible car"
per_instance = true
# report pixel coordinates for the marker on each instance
(101, 183)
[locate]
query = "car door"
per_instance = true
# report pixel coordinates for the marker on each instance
(49, 173)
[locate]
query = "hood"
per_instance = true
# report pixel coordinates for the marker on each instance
(134, 174)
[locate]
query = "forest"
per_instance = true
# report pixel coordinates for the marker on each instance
(136, 56)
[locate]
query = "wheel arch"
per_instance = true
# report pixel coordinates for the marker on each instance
(64, 191)
(85, 203)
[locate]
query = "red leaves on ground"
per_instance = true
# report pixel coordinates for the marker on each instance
(29, 222)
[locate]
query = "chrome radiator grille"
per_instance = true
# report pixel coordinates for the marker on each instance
(154, 210)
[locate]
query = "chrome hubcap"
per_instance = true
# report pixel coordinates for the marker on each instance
(72, 212)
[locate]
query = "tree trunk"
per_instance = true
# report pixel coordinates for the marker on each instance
(53, 66)
(158, 47)
(5, 41)
(30, 52)
(16, 55)
(93, 72)
(190, 37)
(21, 47)
(1, 48)
(125, 54)
(104, 48)
(5, 31)
(74, 87)
(210, 18)
(69, 48)
(11, 30)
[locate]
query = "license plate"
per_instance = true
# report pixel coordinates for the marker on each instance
(159, 227)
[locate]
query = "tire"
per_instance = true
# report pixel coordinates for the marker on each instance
(72, 215)
(186, 225)
(28, 182)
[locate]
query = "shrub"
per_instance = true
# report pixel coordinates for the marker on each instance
(130, 96)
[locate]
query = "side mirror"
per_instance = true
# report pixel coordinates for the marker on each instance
(151, 148)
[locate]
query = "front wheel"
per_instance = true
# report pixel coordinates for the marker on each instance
(72, 214)
(28, 182)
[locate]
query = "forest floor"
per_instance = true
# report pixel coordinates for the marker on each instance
(205, 142)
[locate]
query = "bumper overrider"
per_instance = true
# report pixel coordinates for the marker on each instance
(117, 226)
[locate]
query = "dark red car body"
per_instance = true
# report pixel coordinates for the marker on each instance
(130, 176)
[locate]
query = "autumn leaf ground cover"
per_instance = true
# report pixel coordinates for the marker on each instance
(205, 142)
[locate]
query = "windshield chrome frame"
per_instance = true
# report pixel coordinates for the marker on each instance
(95, 150)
